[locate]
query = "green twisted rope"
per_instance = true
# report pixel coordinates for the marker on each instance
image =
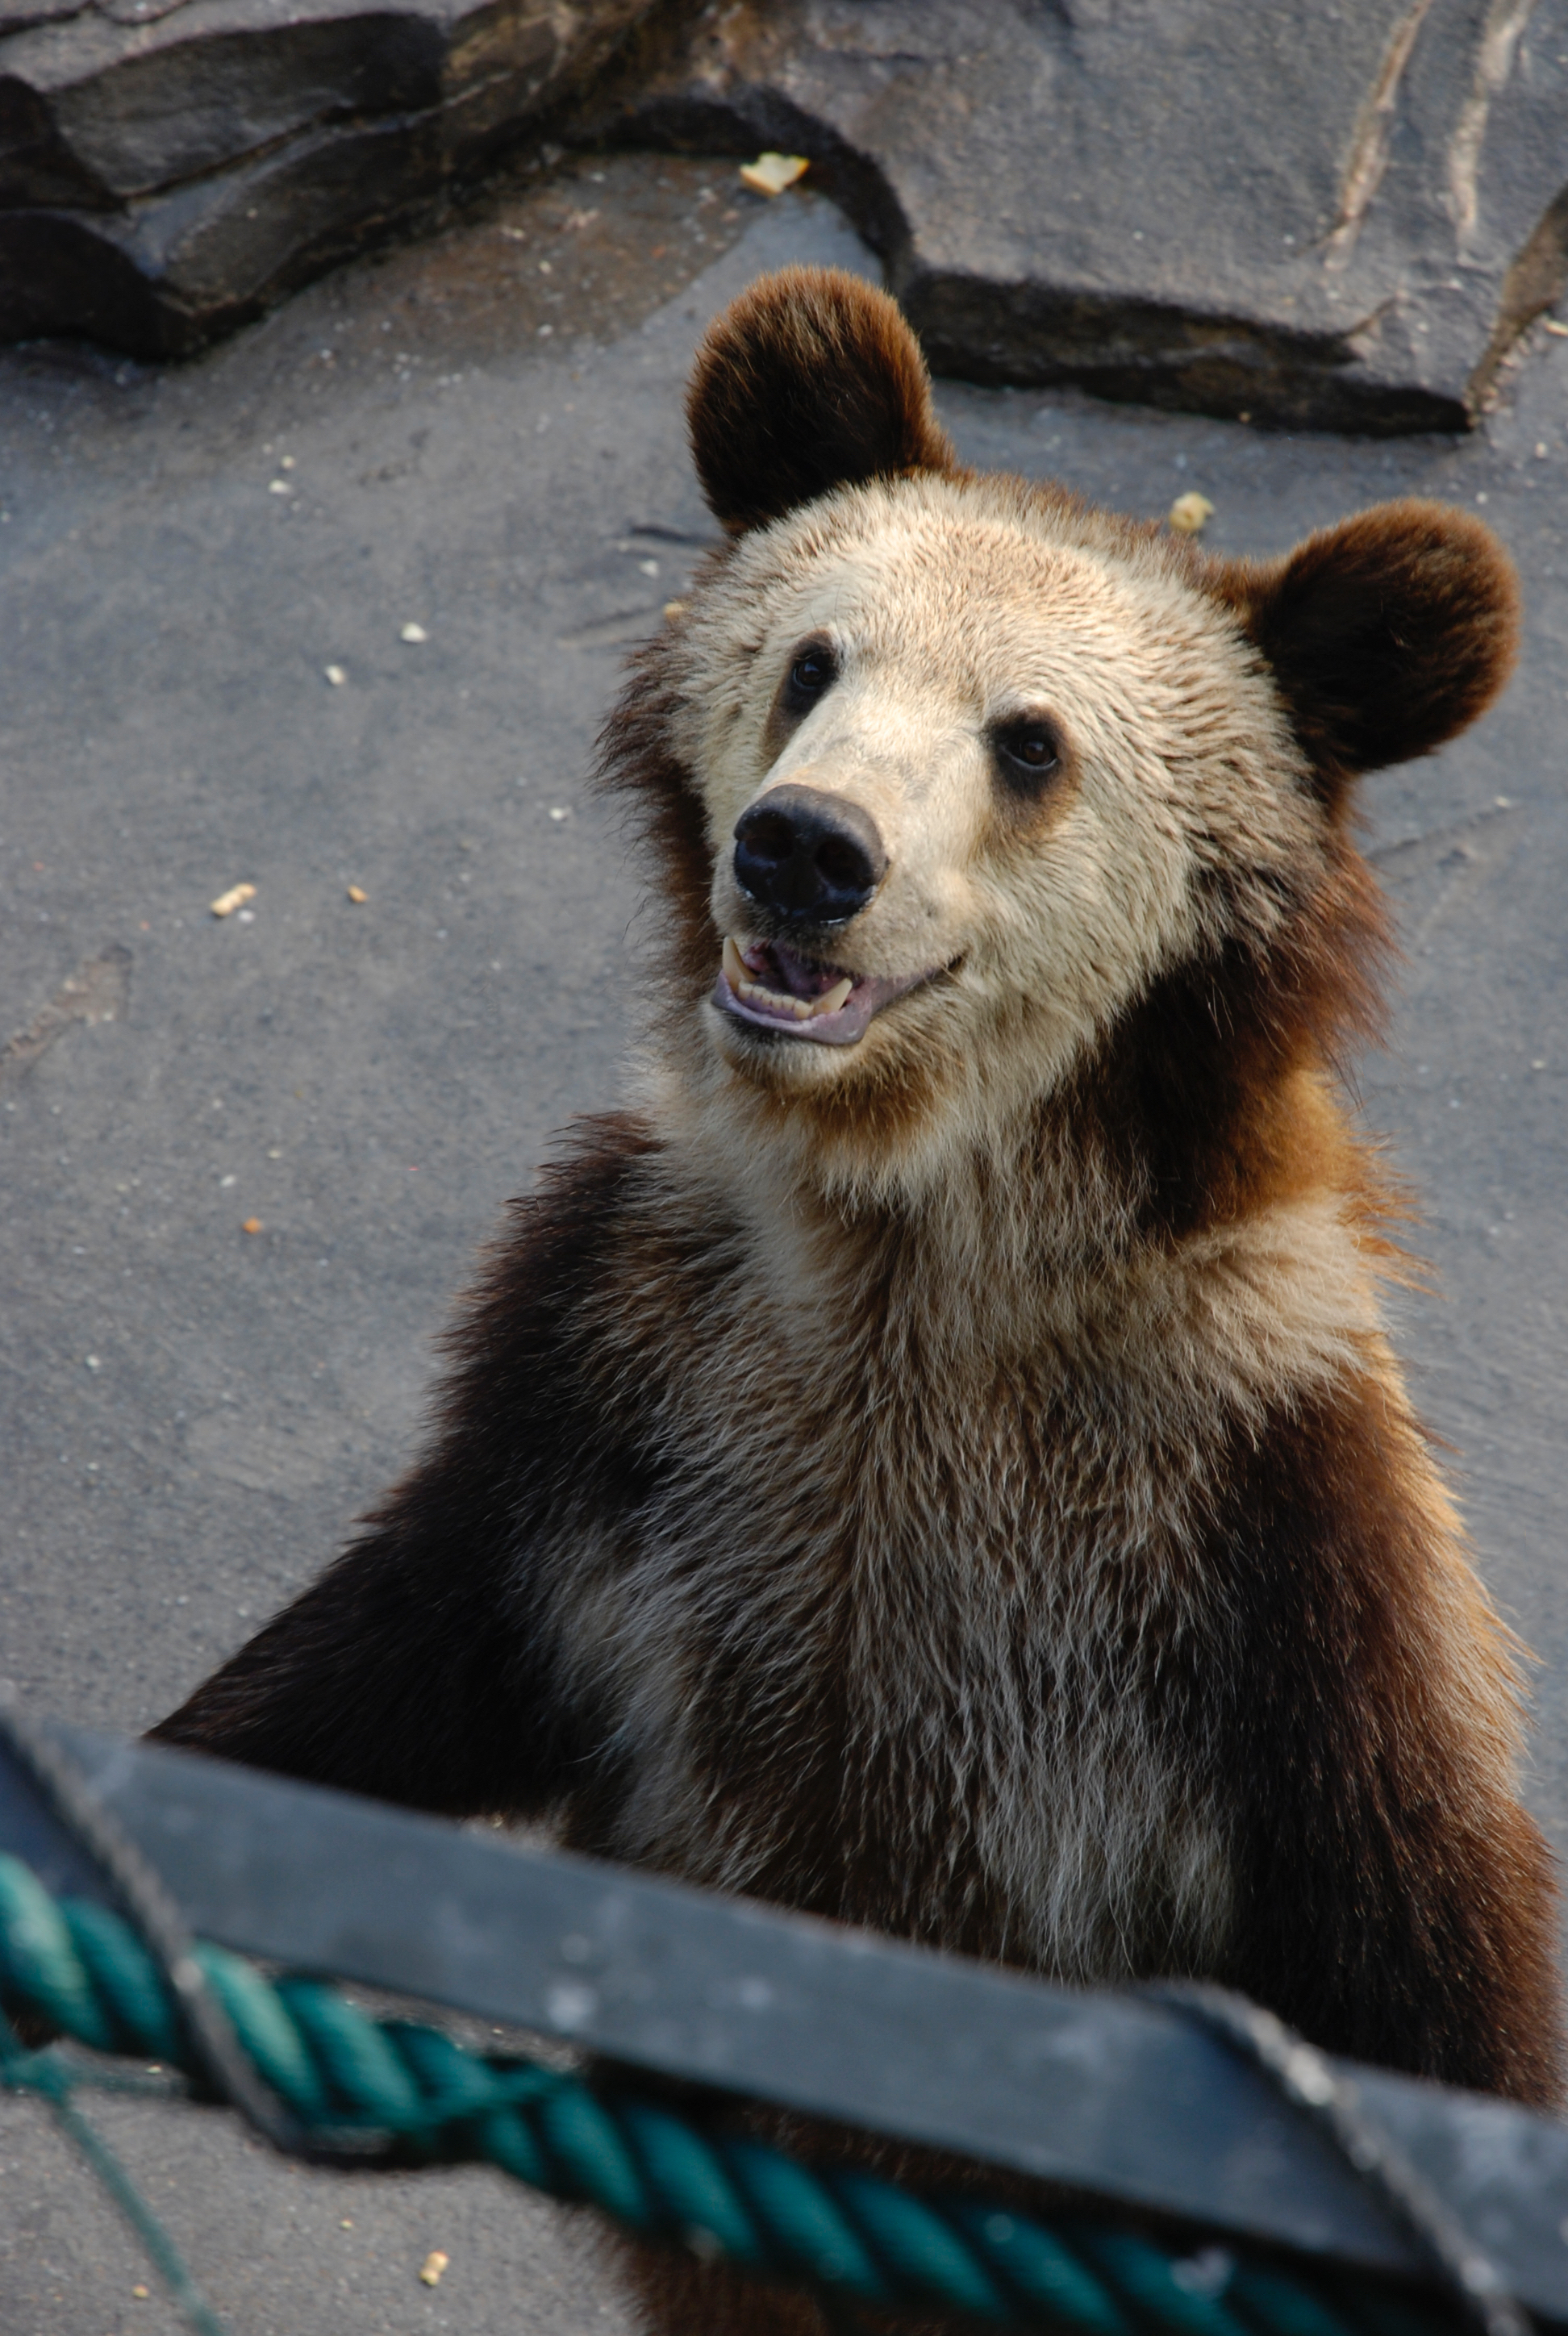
(83, 1970)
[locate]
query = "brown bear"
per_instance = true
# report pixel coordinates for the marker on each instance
(935, 1458)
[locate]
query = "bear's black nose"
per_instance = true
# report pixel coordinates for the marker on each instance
(811, 858)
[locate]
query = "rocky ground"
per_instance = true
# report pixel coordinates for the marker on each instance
(480, 436)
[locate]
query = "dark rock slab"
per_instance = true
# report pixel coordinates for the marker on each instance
(1324, 215)
(165, 170)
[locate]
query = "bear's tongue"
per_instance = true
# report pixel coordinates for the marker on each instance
(769, 974)
(781, 969)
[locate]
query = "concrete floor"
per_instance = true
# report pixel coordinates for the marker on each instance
(482, 435)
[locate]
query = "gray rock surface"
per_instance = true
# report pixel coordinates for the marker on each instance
(1335, 216)
(194, 1414)
(1332, 216)
(169, 168)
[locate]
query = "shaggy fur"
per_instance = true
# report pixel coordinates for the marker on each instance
(958, 1481)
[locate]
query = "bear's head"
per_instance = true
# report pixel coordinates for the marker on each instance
(982, 814)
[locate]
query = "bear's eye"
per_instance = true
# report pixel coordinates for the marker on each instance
(814, 671)
(1028, 751)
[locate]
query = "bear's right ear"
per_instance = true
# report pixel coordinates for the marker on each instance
(809, 381)
(1386, 635)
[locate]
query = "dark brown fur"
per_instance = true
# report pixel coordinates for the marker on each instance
(1191, 1103)
(1354, 1766)
(1386, 635)
(794, 397)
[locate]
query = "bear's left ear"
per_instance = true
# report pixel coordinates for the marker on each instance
(811, 380)
(1386, 635)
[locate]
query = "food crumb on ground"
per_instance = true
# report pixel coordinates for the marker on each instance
(770, 174)
(1190, 513)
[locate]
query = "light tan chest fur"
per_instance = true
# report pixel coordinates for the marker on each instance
(902, 1631)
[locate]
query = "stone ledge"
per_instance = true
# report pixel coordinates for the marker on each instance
(168, 170)
(1317, 216)
(1322, 217)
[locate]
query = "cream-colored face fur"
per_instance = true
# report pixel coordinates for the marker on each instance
(951, 608)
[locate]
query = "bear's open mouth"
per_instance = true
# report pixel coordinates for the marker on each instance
(775, 987)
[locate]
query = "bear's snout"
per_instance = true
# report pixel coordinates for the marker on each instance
(808, 857)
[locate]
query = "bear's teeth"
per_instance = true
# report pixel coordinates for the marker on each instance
(735, 971)
(774, 1001)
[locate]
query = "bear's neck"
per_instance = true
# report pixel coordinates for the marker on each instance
(1046, 1246)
